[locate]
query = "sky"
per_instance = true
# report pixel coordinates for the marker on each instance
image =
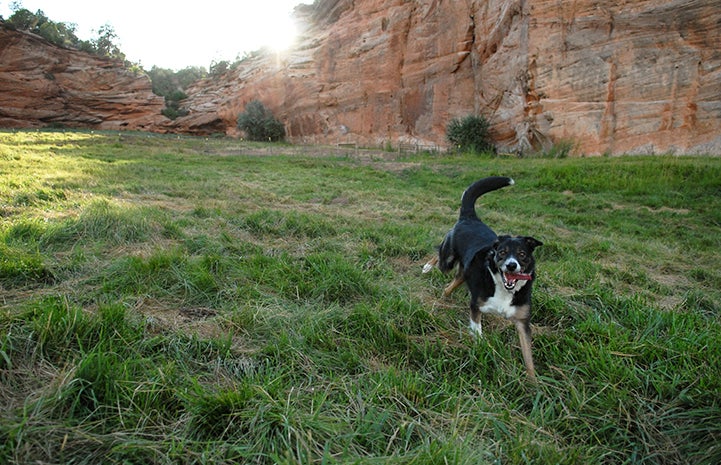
(176, 34)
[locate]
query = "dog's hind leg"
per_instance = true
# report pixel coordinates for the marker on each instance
(457, 281)
(430, 264)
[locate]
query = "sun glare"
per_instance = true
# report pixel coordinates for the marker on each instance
(214, 31)
(279, 35)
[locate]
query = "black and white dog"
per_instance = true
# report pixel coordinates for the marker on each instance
(498, 270)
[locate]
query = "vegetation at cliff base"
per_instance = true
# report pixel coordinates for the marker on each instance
(190, 300)
(259, 124)
(470, 134)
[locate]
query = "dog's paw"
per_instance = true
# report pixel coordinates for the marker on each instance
(476, 329)
(427, 267)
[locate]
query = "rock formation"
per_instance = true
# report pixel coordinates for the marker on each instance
(608, 76)
(42, 85)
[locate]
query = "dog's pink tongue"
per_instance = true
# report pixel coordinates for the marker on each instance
(519, 277)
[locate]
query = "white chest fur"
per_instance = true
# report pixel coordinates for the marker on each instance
(500, 302)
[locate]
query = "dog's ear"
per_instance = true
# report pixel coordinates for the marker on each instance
(500, 239)
(494, 246)
(532, 242)
(491, 252)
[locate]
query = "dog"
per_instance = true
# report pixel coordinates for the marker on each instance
(498, 270)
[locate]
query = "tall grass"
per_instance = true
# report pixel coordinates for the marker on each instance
(163, 302)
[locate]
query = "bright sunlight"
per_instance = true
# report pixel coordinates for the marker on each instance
(280, 35)
(171, 35)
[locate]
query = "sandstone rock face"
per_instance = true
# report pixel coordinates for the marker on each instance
(628, 76)
(608, 76)
(42, 84)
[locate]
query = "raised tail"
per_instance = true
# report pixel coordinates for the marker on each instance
(477, 189)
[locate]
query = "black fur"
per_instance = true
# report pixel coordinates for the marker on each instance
(470, 236)
(498, 271)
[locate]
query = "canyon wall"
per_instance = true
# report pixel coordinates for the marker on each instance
(608, 76)
(43, 85)
(604, 76)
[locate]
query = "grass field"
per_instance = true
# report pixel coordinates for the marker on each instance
(169, 300)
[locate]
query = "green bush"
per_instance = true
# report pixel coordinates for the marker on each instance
(560, 149)
(172, 85)
(469, 133)
(259, 124)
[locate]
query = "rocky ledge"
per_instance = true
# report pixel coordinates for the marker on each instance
(47, 85)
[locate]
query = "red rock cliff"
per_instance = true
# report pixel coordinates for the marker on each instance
(42, 84)
(632, 76)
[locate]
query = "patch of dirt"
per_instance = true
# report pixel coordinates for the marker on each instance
(165, 316)
(671, 302)
(678, 211)
(670, 280)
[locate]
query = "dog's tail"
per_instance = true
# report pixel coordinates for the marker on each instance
(477, 189)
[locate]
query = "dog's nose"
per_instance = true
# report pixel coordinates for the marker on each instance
(511, 266)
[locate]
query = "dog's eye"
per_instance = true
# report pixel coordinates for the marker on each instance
(521, 254)
(502, 253)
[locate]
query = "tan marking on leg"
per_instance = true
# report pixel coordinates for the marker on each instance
(524, 336)
(457, 281)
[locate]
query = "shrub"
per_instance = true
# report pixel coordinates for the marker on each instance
(259, 124)
(469, 133)
(560, 149)
(218, 68)
(172, 85)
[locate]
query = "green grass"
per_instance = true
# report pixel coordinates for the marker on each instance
(168, 300)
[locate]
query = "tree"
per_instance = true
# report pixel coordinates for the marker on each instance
(105, 43)
(470, 133)
(172, 85)
(259, 124)
(218, 68)
(24, 19)
(189, 75)
(63, 34)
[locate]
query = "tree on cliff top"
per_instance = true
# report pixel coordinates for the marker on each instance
(63, 34)
(22, 19)
(259, 124)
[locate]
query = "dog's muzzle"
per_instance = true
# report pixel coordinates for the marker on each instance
(510, 279)
(511, 276)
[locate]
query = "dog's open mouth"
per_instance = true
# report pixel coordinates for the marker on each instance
(510, 279)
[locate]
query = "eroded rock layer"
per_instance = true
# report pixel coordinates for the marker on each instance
(45, 85)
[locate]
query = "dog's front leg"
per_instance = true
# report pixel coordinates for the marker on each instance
(476, 328)
(524, 336)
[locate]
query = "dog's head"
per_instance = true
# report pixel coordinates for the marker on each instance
(513, 258)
